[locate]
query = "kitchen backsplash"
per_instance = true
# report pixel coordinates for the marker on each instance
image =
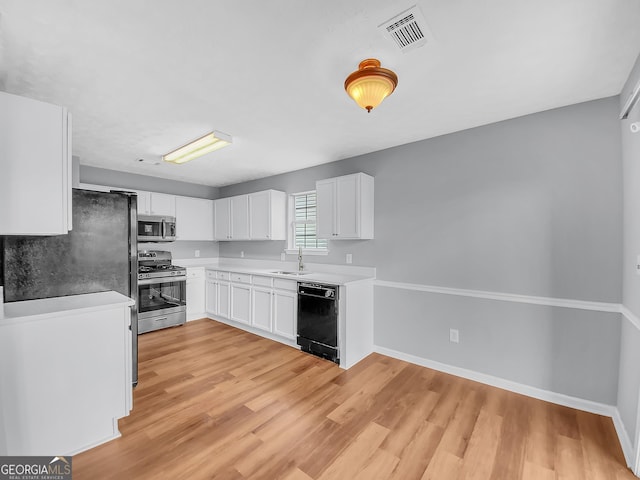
(184, 249)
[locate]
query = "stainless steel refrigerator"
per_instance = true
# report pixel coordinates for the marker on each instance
(99, 254)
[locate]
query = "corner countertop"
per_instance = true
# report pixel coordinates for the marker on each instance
(320, 273)
(60, 306)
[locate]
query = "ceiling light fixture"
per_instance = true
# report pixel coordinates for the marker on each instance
(203, 145)
(370, 84)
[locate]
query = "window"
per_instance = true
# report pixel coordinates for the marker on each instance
(302, 215)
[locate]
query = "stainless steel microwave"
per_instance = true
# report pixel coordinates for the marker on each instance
(156, 228)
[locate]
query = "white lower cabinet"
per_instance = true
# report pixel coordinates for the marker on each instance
(285, 311)
(196, 296)
(211, 297)
(224, 296)
(241, 303)
(65, 373)
(264, 303)
(261, 307)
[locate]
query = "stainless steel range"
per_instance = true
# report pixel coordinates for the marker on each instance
(162, 291)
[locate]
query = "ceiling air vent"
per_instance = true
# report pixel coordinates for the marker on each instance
(408, 29)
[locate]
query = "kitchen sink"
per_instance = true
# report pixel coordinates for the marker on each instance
(295, 274)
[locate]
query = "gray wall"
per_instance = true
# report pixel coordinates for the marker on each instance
(629, 381)
(113, 178)
(530, 206)
(179, 249)
(563, 350)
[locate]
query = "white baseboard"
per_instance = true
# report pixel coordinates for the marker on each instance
(255, 331)
(623, 436)
(108, 438)
(196, 316)
(534, 392)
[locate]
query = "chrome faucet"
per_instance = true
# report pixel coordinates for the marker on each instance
(300, 264)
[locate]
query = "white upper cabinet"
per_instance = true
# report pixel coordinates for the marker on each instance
(240, 217)
(257, 216)
(194, 218)
(325, 208)
(162, 204)
(153, 203)
(267, 215)
(232, 218)
(345, 207)
(35, 158)
(222, 215)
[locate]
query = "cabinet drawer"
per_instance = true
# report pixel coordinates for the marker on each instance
(211, 275)
(283, 284)
(262, 281)
(241, 278)
(195, 272)
(223, 275)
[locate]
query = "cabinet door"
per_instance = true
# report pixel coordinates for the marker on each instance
(222, 222)
(162, 204)
(35, 153)
(144, 203)
(240, 217)
(285, 305)
(260, 215)
(211, 297)
(347, 207)
(325, 210)
(194, 218)
(224, 298)
(241, 303)
(261, 299)
(195, 296)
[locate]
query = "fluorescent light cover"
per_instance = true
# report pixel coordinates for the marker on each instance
(209, 143)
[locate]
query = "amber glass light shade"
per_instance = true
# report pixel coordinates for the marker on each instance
(370, 84)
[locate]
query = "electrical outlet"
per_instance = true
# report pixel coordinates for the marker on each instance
(638, 265)
(242, 254)
(196, 253)
(283, 257)
(349, 258)
(454, 336)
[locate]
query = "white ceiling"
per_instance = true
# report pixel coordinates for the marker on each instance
(142, 77)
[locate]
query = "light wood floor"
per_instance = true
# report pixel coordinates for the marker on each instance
(216, 402)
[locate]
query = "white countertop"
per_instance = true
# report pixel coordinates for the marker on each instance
(318, 277)
(320, 273)
(59, 306)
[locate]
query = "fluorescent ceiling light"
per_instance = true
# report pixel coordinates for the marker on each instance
(209, 143)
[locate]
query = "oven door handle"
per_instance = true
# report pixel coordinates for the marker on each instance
(150, 281)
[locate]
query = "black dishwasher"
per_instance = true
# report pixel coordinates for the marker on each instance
(318, 320)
